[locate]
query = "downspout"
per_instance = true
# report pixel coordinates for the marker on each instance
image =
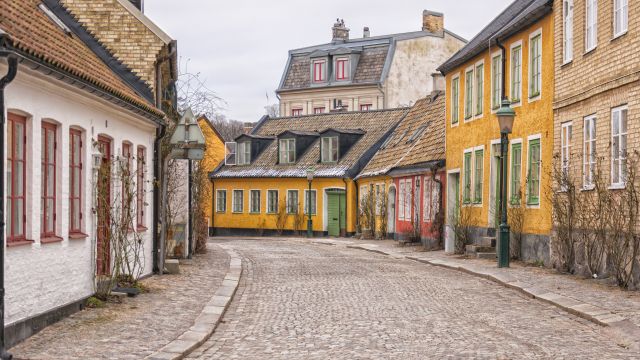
(357, 204)
(213, 208)
(190, 205)
(384, 96)
(346, 204)
(439, 218)
(157, 164)
(6, 80)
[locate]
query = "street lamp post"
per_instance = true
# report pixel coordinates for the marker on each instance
(506, 116)
(309, 221)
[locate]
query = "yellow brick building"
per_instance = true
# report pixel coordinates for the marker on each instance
(263, 189)
(474, 90)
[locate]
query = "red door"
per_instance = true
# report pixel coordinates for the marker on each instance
(103, 253)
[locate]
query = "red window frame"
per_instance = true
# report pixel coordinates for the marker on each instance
(75, 187)
(141, 162)
(366, 107)
(14, 234)
(319, 71)
(342, 69)
(49, 177)
(296, 112)
(319, 110)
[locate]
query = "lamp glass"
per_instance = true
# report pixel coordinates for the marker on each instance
(506, 116)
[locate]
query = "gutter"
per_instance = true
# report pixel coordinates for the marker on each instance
(6, 80)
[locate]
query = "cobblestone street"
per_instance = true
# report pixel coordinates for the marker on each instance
(313, 301)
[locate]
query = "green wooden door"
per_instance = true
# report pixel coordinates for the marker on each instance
(333, 210)
(343, 214)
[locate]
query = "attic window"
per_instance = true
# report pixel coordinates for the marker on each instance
(342, 69)
(329, 150)
(244, 153)
(55, 19)
(230, 153)
(401, 137)
(386, 142)
(416, 134)
(287, 151)
(319, 71)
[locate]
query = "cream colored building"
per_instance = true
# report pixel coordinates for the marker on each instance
(367, 73)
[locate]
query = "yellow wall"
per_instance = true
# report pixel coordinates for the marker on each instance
(535, 117)
(246, 220)
(213, 155)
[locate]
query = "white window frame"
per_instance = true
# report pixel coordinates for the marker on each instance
(589, 158)
(401, 190)
(427, 193)
(323, 144)
(567, 31)
(621, 136)
(566, 135)
(233, 201)
(517, 44)
(297, 202)
(530, 59)
(530, 138)
(476, 114)
(455, 101)
(408, 200)
(593, 27)
(243, 153)
(496, 102)
(314, 195)
(251, 193)
(230, 148)
(473, 176)
(269, 204)
(218, 210)
(469, 94)
(510, 172)
(620, 7)
(464, 169)
(289, 142)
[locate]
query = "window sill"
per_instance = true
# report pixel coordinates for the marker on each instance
(19, 243)
(617, 187)
(77, 236)
(221, 212)
(590, 51)
(50, 239)
(588, 188)
(141, 229)
(566, 63)
(618, 36)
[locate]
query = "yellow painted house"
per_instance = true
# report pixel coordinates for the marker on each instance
(263, 186)
(522, 35)
(213, 156)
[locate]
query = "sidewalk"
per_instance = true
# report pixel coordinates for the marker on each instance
(139, 326)
(593, 300)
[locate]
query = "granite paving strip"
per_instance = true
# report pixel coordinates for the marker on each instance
(139, 326)
(209, 318)
(602, 304)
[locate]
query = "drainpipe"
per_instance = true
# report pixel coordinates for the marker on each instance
(384, 97)
(504, 67)
(190, 194)
(357, 203)
(346, 204)
(213, 207)
(8, 78)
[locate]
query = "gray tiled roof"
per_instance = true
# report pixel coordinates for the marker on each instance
(376, 125)
(518, 15)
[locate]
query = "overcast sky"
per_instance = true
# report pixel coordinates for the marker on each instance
(240, 47)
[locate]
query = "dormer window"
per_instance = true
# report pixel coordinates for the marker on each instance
(244, 153)
(329, 149)
(287, 151)
(342, 69)
(319, 71)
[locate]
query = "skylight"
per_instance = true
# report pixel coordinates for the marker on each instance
(417, 133)
(55, 19)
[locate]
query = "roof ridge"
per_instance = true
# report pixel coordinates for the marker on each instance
(341, 113)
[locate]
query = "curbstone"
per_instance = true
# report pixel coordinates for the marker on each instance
(206, 323)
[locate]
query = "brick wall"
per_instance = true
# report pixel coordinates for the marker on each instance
(130, 40)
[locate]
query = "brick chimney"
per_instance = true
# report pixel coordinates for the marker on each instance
(340, 31)
(433, 22)
(139, 4)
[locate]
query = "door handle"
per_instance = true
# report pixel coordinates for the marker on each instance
(335, 219)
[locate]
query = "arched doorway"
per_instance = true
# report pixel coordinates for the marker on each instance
(391, 221)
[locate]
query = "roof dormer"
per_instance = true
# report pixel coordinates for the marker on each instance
(335, 143)
(293, 144)
(246, 149)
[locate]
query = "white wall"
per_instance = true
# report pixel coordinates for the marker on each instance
(40, 277)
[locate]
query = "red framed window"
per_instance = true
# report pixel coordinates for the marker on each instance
(318, 110)
(366, 107)
(75, 183)
(342, 69)
(296, 112)
(141, 162)
(319, 71)
(48, 193)
(16, 178)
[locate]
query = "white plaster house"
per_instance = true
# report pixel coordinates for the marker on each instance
(70, 99)
(368, 73)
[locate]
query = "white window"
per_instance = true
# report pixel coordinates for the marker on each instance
(244, 153)
(221, 201)
(468, 94)
(255, 201)
(408, 192)
(478, 176)
(620, 17)
(455, 100)
(567, 25)
(426, 201)
(230, 153)
(479, 98)
(619, 146)
(589, 151)
(292, 201)
(380, 193)
(238, 201)
(496, 81)
(591, 30)
(565, 145)
(287, 151)
(313, 202)
(401, 200)
(516, 73)
(535, 65)
(272, 201)
(329, 149)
